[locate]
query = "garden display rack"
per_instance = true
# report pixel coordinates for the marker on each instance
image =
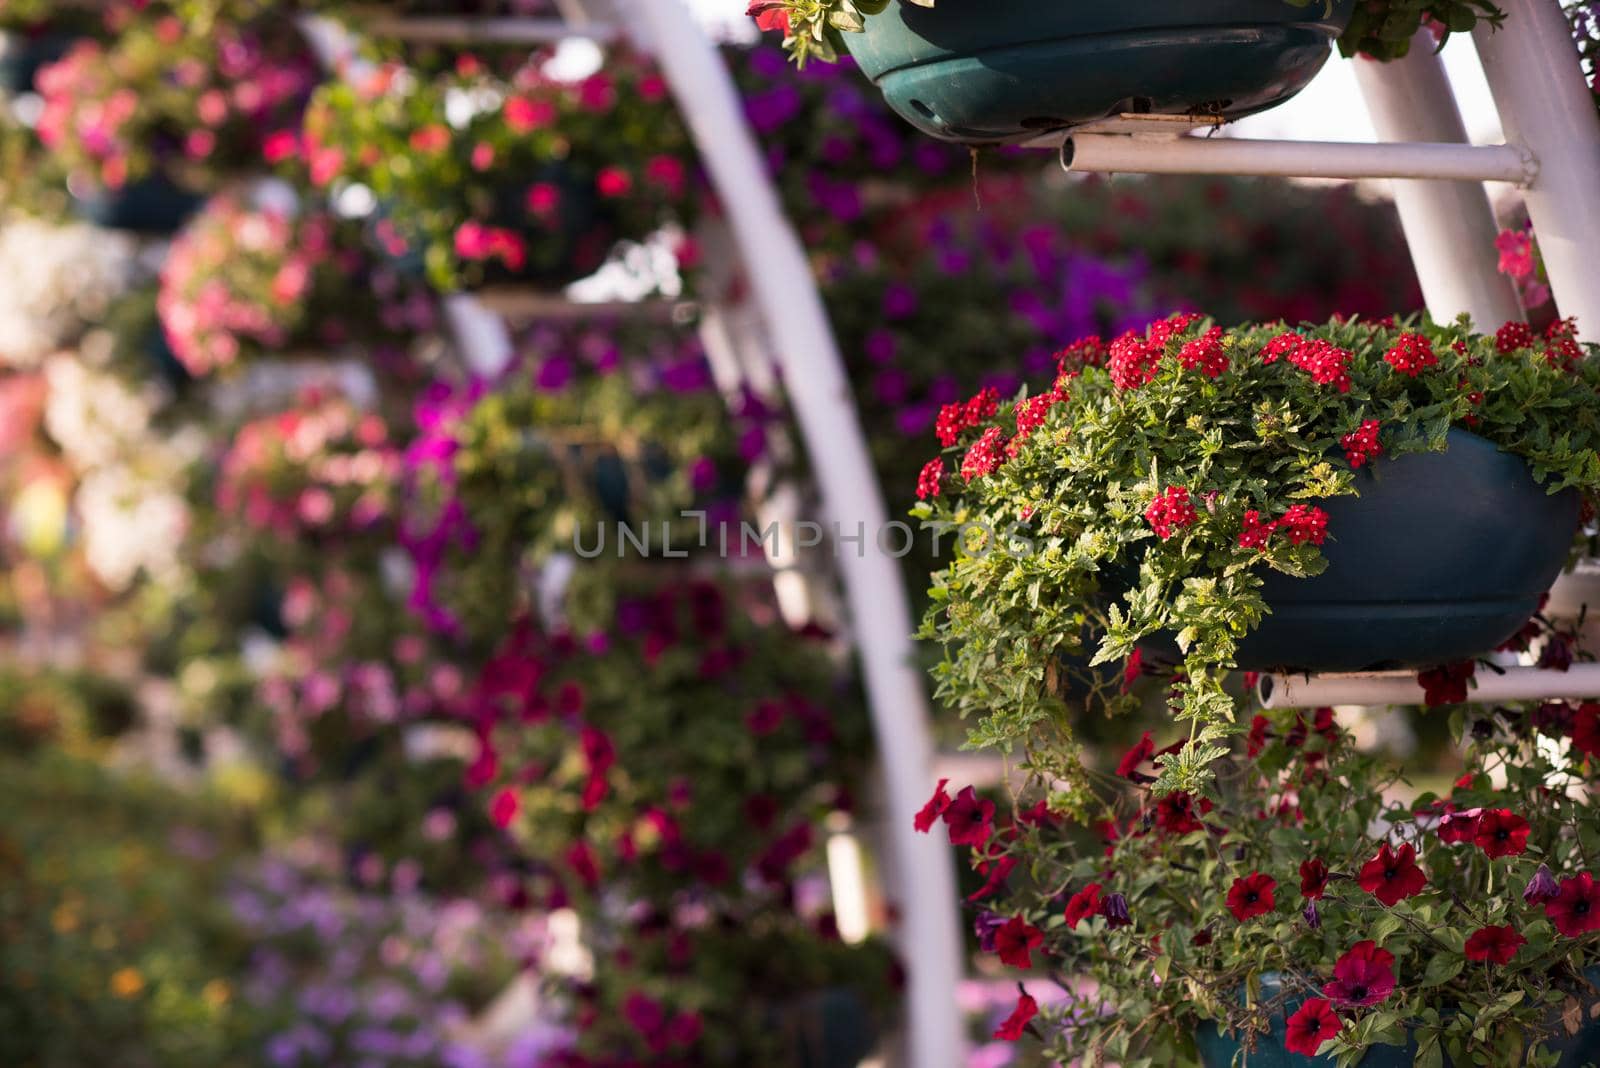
(778, 329)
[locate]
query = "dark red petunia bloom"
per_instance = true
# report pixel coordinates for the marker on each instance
(1393, 876)
(1497, 945)
(1586, 729)
(1446, 685)
(769, 15)
(1363, 976)
(1501, 833)
(1457, 827)
(1576, 908)
(1083, 904)
(970, 818)
(935, 807)
(1312, 1024)
(1251, 895)
(1175, 813)
(1015, 942)
(1012, 1028)
(1313, 878)
(1260, 728)
(1142, 750)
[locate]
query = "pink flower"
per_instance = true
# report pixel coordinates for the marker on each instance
(503, 809)
(613, 182)
(1516, 253)
(1363, 976)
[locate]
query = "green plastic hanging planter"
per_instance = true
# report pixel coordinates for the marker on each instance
(1581, 1050)
(1442, 557)
(980, 71)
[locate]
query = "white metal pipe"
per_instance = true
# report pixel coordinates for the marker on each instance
(1122, 153)
(481, 336)
(1400, 687)
(484, 30)
(1449, 226)
(1538, 86)
(819, 393)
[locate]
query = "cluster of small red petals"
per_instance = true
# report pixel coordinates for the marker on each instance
(1170, 512)
(1134, 362)
(928, 481)
(1163, 330)
(1361, 445)
(1303, 523)
(1204, 354)
(1326, 363)
(1562, 350)
(986, 454)
(1513, 336)
(1411, 354)
(1284, 345)
(1256, 533)
(1085, 352)
(963, 415)
(1031, 413)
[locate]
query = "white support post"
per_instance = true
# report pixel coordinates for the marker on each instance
(1538, 86)
(880, 614)
(1449, 226)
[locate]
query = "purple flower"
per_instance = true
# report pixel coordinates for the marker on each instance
(899, 301)
(1312, 917)
(1542, 887)
(986, 926)
(1115, 909)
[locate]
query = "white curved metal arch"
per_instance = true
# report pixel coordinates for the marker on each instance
(879, 609)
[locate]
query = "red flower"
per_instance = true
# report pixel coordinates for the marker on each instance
(1513, 336)
(1083, 904)
(1313, 878)
(970, 818)
(1134, 362)
(923, 821)
(1141, 751)
(1457, 827)
(1175, 813)
(1326, 363)
(1496, 945)
(1305, 522)
(1393, 876)
(928, 481)
(1586, 729)
(1576, 909)
(1027, 1008)
(954, 418)
(1312, 1024)
(770, 15)
(1016, 940)
(525, 116)
(1205, 354)
(1411, 354)
(1446, 685)
(1251, 895)
(1501, 833)
(613, 182)
(1170, 512)
(1255, 534)
(1131, 671)
(1260, 728)
(1361, 445)
(986, 454)
(1363, 976)
(503, 809)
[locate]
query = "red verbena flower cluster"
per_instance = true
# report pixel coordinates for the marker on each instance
(1204, 354)
(964, 415)
(928, 481)
(1134, 362)
(1361, 445)
(1170, 512)
(1411, 354)
(1326, 363)
(986, 454)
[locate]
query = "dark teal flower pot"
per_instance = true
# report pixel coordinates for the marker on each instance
(1219, 1050)
(152, 205)
(1442, 557)
(23, 55)
(1000, 70)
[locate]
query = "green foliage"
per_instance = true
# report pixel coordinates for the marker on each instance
(1096, 579)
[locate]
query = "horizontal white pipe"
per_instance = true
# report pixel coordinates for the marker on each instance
(1400, 687)
(484, 30)
(1126, 154)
